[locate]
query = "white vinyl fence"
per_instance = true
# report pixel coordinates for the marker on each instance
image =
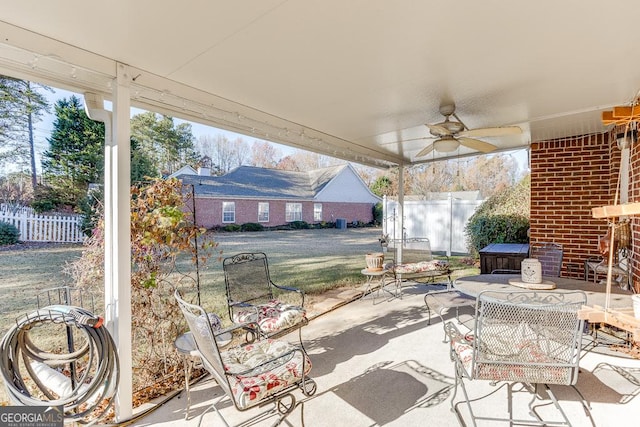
(34, 227)
(441, 221)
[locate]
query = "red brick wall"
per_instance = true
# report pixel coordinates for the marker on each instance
(634, 196)
(569, 177)
(209, 212)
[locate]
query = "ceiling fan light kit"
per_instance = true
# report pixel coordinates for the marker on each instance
(446, 144)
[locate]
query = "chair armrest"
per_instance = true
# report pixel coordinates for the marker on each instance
(453, 333)
(239, 304)
(291, 289)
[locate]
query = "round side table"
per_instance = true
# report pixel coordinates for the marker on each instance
(373, 276)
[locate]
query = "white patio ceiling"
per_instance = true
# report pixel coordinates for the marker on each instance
(344, 78)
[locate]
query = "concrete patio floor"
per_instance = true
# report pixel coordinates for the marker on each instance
(382, 364)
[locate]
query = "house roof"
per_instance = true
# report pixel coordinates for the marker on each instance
(184, 170)
(255, 182)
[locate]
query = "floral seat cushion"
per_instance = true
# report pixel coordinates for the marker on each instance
(272, 316)
(421, 267)
(253, 380)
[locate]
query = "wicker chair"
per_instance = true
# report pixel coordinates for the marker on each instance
(252, 300)
(250, 375)
(532, 338)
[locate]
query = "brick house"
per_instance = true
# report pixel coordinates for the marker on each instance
(274, 197)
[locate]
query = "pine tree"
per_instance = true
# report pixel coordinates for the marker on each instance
(76, 153)
(170, 146)
(21, 106)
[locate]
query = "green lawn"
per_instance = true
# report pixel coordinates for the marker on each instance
(313, 260)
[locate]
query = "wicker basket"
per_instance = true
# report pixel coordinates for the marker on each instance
(375, 261)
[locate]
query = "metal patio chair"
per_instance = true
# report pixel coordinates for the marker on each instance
(531, 338)
(550, 256)
(255, 374)
(253, 298)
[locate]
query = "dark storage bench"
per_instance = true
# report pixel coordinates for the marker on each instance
(502, 256)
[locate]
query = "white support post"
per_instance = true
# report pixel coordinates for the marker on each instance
(450, 197)
(118, 239)
(400, 211)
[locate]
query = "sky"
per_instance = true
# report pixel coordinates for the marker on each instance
(42, 131)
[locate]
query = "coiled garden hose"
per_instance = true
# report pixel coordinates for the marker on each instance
(90, 374)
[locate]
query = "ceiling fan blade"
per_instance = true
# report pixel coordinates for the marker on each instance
(438, 130)
(476, 144)
(426, 150)
(497, 131)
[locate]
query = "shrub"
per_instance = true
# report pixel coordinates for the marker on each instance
(377, 213)
(502, 218)
(299, 225)
(486, 229)
(9, 234)
(231, 228)
(251, 226)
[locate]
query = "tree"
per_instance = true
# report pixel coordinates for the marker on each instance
(142, 167)
(169, 146)
(288, 163)
(21, 106)
(75, 157)
(225, 154)
(15, 190)
(264, 155)
(305, 161)
(486, 174)
(382, 186)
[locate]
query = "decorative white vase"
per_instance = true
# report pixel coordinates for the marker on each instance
(531, 270)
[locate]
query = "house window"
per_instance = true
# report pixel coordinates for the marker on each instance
(317, 211)
(228, 211)
(293, 212)
(263, 212)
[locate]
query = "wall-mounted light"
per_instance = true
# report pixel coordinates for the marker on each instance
(625, 139)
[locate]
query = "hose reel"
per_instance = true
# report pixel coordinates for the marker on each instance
(61, 355)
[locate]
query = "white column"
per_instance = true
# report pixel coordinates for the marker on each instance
(118, 239)
(400, 210)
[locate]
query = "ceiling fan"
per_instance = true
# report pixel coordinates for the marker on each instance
(450, 134)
